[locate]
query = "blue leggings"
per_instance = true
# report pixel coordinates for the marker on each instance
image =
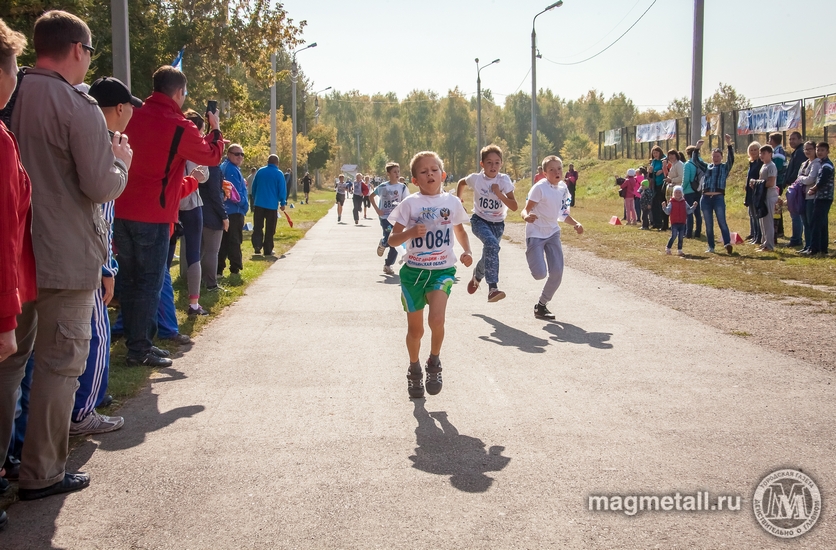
(490, 233)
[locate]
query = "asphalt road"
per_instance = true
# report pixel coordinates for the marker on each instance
(288, 424)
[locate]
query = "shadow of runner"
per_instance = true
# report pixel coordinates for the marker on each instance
(443, 451)
(505, 335)
(564, 332)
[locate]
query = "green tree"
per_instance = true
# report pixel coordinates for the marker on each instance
(576, 147)
(456, 128)
(726, 98)
(324, 140)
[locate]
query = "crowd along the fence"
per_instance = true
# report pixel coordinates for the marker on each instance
(805, 115)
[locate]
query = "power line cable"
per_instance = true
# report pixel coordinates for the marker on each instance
(607, 33)
(795, 92)
(611, 45)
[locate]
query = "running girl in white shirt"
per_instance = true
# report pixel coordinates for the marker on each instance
(429, 222)
(548, 204)
(493, 195)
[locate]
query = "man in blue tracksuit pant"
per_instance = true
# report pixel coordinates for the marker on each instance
(269, 190)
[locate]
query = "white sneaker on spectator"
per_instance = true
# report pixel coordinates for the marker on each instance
(96, 423)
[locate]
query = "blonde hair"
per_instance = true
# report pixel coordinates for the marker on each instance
(549, 159)
(753, 146)
(12, 44)
(423, 155)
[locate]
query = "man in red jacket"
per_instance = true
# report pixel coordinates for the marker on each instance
(162, 140)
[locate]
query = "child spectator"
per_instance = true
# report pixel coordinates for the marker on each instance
(493, 195)
(646, 200)
(767, 177)
(678, 211)
(547, 204)
(425, 220)
(755, 165)
(629, 189)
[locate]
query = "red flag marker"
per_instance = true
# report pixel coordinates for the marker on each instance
(289, 221)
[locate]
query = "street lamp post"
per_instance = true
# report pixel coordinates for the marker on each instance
(316, 116)
(294, 75)
(479, 109)
(273, 105)
(534, 88)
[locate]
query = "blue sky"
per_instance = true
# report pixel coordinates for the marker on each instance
(380, 46)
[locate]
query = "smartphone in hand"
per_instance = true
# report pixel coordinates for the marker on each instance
(212, 106)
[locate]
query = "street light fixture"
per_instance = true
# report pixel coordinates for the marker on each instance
(479, 108)
(294, 74)
(534, 57)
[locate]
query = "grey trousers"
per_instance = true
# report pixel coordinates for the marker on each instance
(57, 326)
(209, 248)
(545, 259)
(767, 224)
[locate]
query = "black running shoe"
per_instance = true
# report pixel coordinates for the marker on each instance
(542, 312)
(415, 381)
(433, 378)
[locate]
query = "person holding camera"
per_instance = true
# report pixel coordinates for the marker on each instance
(163, 140)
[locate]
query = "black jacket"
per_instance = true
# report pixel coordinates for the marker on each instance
(211, 191)
(796, 160)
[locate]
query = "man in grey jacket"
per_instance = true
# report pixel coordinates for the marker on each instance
(74, 167)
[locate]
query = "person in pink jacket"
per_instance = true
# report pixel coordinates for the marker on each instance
(630, 188)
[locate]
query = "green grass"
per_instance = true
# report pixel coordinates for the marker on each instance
(126, 381)
(745, 270)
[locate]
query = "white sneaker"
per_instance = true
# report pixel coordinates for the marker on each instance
(668, 251)
(387, 269)
(96, 423)
(380, 250)
(680, 253)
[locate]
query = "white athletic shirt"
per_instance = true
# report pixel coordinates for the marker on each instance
(552, 207)
(439, 213)
(342, 187)
(391, 194)
(486, 204)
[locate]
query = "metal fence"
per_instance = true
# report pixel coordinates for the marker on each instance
(629, 148)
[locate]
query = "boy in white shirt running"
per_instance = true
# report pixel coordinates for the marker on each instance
(424, 221)
(547, 204)
(389, 195)
(493, 195)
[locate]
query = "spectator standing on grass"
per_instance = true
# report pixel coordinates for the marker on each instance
(74, 167)
(163, 140)
(692, 178)
(306, 187)
(807, 176)
(571, 179)
(755, 164)
(117, 104)
(249, 180)
(269, 194)
(540, 174)
(713, 201)
(779, 158)
(215, 222)
(236, 210)
(657, 184)
(673, 177)
(793, 166)
(18, 284)
(646, 200)
(191, 218)
(628, 188)
(767, 177)
(823, 191)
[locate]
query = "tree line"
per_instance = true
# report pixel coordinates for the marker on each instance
(227, 58)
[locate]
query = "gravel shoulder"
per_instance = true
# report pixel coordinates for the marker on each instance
(781, 324)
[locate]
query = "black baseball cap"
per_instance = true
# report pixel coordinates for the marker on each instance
(110, 92)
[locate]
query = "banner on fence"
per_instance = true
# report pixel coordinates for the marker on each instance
(656, 131)
(711, 125)
(769, 118)
(830, 111)
(612, 137)
(818, 112)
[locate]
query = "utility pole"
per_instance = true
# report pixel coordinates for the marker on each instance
(479, 110)
(358, 148)
(696, 75)
(534, 56)
(121, 42)
(273, 106)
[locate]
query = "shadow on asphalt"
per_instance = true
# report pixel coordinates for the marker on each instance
(143, 417)
(564, 332)
(32, 524)
(390, 280)
(443, 451)
(505, 335)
